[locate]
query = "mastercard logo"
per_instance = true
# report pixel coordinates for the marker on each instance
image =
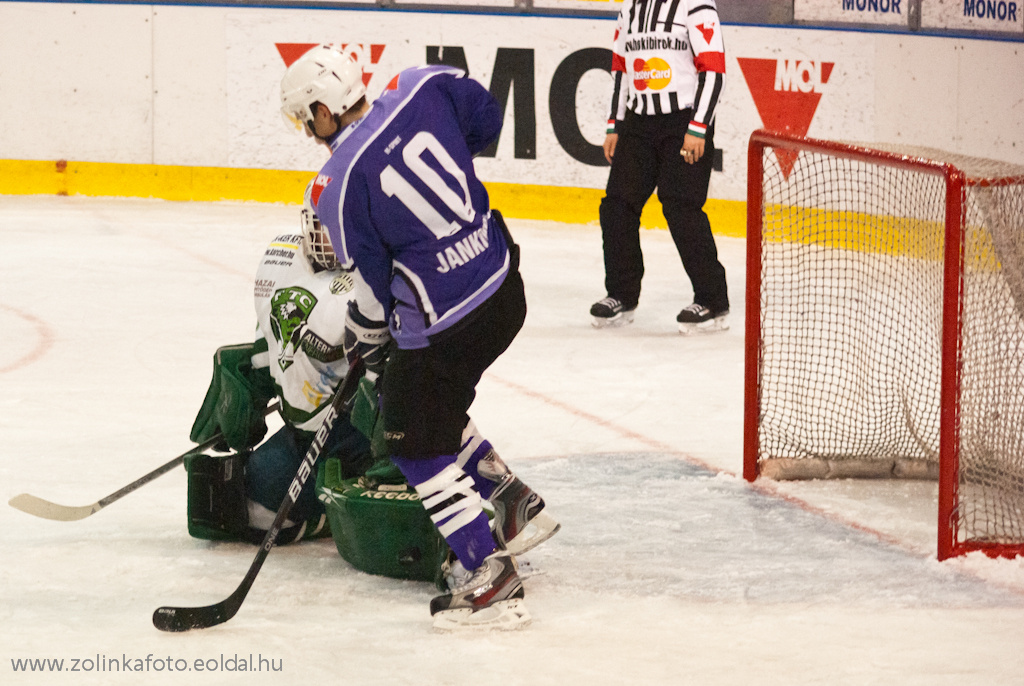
(653, 73)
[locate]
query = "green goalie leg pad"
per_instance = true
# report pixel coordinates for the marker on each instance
(380, 529)
(217, 506)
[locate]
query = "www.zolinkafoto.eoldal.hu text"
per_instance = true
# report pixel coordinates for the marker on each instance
(151, 663)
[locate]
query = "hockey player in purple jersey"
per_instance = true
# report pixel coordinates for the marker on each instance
(407, 214)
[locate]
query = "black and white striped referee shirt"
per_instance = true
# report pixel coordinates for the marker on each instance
(668, 55)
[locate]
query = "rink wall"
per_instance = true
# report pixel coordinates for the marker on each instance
(180, 101)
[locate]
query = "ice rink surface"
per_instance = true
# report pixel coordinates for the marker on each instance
(669, 569)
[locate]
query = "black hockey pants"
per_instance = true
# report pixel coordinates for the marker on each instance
(647, 157)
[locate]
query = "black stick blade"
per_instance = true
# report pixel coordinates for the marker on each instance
(189, 618)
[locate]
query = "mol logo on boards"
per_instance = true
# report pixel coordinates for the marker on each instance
(786, 93)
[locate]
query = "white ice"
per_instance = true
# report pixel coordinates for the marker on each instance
(670, 569)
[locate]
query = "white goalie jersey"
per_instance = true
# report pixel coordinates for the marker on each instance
(301, 315)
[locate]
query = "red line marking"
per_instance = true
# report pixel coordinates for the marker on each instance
(42, 347)
(600, 421)
(764, 487)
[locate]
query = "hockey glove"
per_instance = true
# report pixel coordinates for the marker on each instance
(366, 340)
(236, 399)
(366, 417)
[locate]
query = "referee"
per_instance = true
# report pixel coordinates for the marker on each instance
(668, 64)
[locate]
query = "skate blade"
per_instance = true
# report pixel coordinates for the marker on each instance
(537, 530)
(527, 569)
(621, 319)
(504, 615)
(710, 326)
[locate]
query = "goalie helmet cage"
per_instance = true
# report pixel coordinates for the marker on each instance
(885, 326)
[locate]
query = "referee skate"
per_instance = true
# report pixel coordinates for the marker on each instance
(697, 319)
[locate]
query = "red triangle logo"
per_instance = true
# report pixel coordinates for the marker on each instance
(708, 31)
(786, 94)
(292, 51)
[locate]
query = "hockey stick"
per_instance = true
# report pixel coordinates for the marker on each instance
(38, 507)
(188, 618)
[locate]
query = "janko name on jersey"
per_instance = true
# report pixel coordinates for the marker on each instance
(463, 251)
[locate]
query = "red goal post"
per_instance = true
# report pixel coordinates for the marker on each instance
(885, 326)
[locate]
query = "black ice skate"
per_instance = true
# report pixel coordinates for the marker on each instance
(611, 312)
(696, 318)
(491, 598)
(519, 521)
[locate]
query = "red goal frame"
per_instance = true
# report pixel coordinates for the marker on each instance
(956, 182)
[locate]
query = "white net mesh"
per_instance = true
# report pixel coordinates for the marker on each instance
(851, 303)
(991, 479)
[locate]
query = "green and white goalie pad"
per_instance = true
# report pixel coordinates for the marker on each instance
(380, 526)
(236, 399)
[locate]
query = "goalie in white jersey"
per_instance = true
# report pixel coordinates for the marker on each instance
(301, 298)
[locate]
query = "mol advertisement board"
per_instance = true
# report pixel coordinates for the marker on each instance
(552, 77)
(197, 87)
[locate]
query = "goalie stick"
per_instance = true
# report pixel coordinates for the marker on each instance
(38, 507)
(188, 618)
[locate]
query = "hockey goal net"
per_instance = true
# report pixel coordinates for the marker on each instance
(885, 326)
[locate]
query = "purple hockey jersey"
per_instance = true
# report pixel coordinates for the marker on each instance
(402, 202)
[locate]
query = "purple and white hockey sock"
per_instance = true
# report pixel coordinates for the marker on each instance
(450, 498)
(478, 459)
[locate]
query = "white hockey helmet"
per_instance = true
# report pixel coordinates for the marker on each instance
(323, 74)
(316, 244)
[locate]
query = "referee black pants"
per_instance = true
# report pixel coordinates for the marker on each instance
(647, 157)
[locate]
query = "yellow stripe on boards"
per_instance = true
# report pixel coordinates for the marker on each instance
(29, 177)
(580, 206)
(856, 231)
(878, 234)
(519, 201)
